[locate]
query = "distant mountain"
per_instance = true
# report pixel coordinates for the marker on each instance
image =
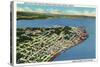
(36, 15)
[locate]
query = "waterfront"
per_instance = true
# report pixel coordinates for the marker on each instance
(86, 49)
(83, 50)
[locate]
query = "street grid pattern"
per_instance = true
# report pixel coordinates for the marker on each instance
(43, 48)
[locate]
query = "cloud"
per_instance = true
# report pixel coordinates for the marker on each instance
(25, 9)
(39, 10)
(54, 11)
(72, 12)
(57, 11)
(90, 13)
(76, 12)
(20, 9)
(28, 9)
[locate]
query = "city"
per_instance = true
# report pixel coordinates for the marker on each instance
(44, 44)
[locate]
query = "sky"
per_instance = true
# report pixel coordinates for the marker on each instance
(53, 9)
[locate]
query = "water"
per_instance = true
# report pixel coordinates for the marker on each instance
(84, 50)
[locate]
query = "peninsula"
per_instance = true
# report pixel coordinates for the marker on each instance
(44, 44)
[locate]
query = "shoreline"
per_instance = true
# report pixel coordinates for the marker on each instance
(61, 44)
(57, 54)
(33, 16)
